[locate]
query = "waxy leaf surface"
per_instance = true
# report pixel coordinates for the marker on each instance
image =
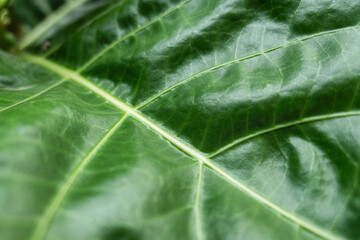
(193, 119)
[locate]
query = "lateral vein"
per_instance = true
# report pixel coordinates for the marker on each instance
(126, 36)
(33, 96)
(46, 219)
(198, 225)
(285, 125)
(178, 143)
(237, 60)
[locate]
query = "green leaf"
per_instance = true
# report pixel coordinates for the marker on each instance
(61, 23)
(157, 119)
(33, 12)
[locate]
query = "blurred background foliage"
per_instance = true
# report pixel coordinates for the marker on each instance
(19, 16)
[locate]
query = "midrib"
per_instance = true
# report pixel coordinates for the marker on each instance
(68, 73)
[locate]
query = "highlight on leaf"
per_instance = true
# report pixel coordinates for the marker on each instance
(181, 119)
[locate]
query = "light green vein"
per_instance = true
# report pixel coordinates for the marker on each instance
(44, 6)
(179, 144)
(49, 214)
(285, 125)
(240, 59)
(94, 19)
(33, 96)
(198, 225)
(49, 22)
(113, 44)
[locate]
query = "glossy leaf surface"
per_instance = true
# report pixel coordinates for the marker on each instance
(222, 119)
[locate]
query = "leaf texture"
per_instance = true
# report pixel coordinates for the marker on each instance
(193, 119)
